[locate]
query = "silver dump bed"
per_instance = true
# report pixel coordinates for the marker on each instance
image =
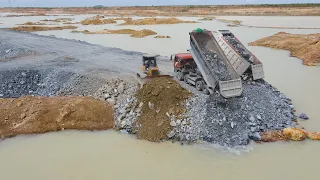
(238, 55)
(202, 42)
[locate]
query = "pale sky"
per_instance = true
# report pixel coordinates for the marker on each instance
(60, 3)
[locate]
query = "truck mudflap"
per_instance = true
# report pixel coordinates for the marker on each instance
(231, 88)
(257, 71)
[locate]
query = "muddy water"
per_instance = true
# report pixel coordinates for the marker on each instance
(103, 155)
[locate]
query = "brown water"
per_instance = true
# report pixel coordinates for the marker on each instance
(109, 155)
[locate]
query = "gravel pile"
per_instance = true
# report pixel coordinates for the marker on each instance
(239, 48)
(217, 65)
(18, 82)
(120, 93)
(233, 122)
(8, 52)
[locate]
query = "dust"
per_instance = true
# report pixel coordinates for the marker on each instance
(29, 115)
(302, 46)
(133, 33)
(161, 97)
(152, 21)
(41, 28)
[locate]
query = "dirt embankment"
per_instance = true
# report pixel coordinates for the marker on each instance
(131, 32)
(152, 21)
(29, 115)
(302, 46)
(234, 10)
(230, 22)
(159, 98)
(41, 28)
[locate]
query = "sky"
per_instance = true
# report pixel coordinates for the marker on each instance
(72, 3)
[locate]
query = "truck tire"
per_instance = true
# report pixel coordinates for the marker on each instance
(206, 90)
(185, 78)
(179, 75)
(199, 85)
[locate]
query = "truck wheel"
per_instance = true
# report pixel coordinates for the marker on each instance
(206, 90)
(185, 78)
(199, 85)
(180, 75)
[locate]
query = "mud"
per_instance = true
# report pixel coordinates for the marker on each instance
(41, 28)
(161, 100)
(29, 115)
(153, 21)
(303, 46)
(131, 32)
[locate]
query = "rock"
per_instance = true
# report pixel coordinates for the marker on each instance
(171, 134)
(173, 124)
(255, 136)
(111, 101)
(151, 106)
(252, 119)
(294, 134)
(107, 96)
(123, 124)
(291, 106)
(115, 90)
(123, 131)
(258, 117)
(1, 95)
(140, 104)
(157, 110)
(178, 122)
(121, 87)
(184, 122)
(303, 116)
(254, 129)
(232, 125)
(24, 74)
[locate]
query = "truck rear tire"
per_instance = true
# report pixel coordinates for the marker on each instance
(179, 75)
(185, 78)
(199, 85)
(206, 90)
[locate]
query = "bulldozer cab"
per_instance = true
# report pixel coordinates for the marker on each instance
(149, 61)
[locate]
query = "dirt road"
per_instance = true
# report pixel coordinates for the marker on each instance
(74, 53)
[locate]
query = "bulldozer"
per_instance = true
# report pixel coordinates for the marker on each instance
(150, 69)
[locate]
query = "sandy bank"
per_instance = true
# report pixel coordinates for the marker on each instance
(303, 46)
(152, 21)
(131, 32)
(29, 115)
(97, 20)
(33, 23)
(41, 28)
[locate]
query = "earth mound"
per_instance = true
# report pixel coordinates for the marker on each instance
(160, 98)
(29, 115)
(302, 46)
(41, 28)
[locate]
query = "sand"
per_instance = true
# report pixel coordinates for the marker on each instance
(160, 97)
(29, 115)
(41, 28)
(302, 46)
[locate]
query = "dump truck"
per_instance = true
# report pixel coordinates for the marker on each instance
(207, 67)
(240, 58)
